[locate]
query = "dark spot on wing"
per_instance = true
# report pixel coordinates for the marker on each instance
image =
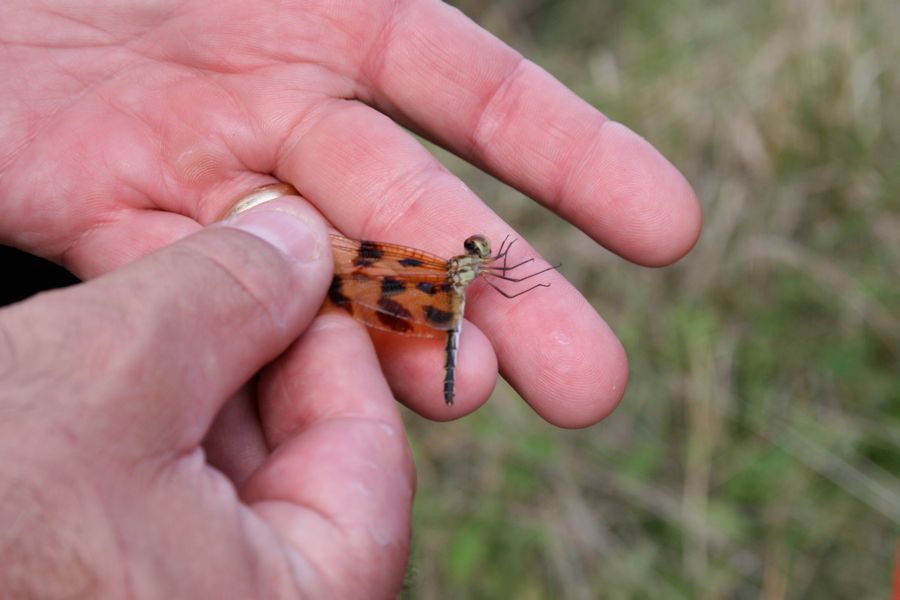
(430, 288)
(437, 316)
(367, 255)
(393, 315)
(336, 294)
(411, 262)
(391, 285)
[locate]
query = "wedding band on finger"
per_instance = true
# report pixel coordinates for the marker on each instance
(261, 195)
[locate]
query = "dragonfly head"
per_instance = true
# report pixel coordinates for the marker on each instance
(478, 246)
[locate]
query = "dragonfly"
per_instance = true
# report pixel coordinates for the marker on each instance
(411, 292)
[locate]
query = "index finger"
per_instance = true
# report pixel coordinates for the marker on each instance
(450, 79)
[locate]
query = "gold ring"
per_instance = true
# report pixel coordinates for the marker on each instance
(261, 195)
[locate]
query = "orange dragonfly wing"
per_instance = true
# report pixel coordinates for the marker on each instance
(393, 287)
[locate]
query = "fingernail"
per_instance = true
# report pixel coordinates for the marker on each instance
(280, 225)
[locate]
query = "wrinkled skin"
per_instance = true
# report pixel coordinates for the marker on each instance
(127, 127)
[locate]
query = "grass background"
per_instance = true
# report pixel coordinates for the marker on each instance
(757, 450)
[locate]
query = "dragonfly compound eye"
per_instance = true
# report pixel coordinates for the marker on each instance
(478, 245)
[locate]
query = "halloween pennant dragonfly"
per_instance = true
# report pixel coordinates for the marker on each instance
(411, 292)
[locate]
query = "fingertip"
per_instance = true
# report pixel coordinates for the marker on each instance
(572, 371)
(648, 211)
(592, 395)
(415, 369)
(679, 220)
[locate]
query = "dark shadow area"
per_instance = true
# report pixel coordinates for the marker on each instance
(23, 275)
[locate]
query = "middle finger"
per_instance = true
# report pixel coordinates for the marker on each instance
(372, 180)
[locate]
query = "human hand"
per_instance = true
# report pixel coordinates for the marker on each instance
(107, 390)
(127, 127)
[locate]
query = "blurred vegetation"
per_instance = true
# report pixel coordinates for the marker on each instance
(756, 453)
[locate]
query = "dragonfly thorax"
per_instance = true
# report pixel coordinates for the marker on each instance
(462, 270)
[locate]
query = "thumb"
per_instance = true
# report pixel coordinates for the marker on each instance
(151, 351)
